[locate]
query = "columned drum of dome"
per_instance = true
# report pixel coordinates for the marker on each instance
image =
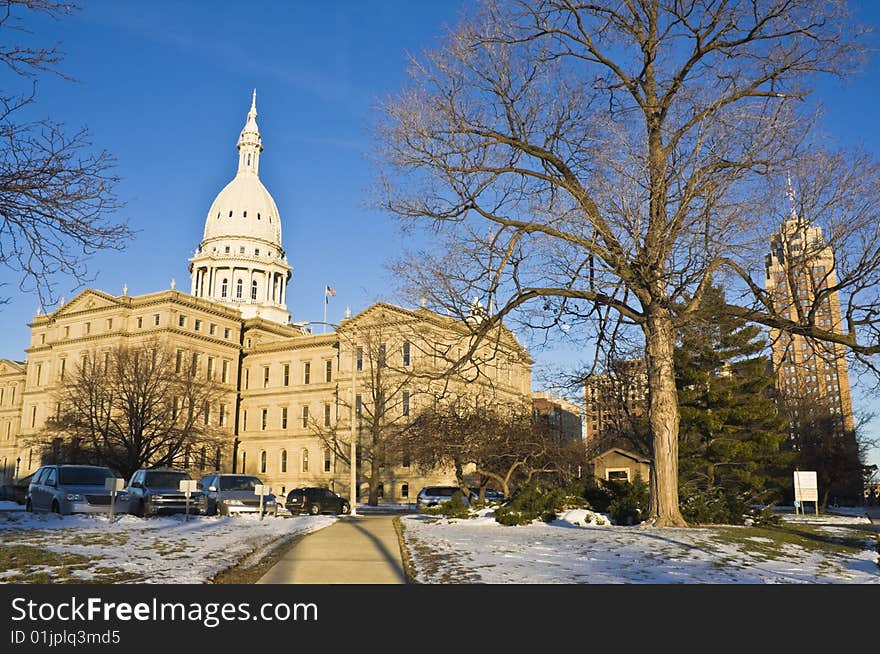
(240, 260)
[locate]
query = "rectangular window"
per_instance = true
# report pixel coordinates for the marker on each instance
(109, 324)
(181, 320)
(178, 364)
(244, 420)
(286, 374)
(67, 332)
(194, 364)
(38, 373)
(265, 376)
(326, 415)
(212, 329)
(156, 319)
(222, 417)
(207, 413)
(328, 371)
(326, 460)
(360, 358)
(307, 370)
(225, 374)
(264, 418)
(87, 328)
(381, 360)
(406, 353)
(198, 325)
(61, 370)
(34, 417)
(284, 417)
(210, 374)
(140, 322)
(305, 417)
(358, 405)
(226, 333)
(405, 403)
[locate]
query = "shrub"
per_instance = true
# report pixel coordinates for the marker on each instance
(537, 501)
(456, 507)
(629, 501)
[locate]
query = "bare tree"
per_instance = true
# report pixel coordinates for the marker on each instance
(593, 166)
(384, 394)
(56, 190)
(137, 405)
(501, 443)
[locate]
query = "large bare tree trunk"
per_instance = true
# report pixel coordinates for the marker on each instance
(663, 417)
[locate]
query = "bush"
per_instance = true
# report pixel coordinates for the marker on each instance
(629, 501)
(456, 507)
(721, 506)
(537, 501)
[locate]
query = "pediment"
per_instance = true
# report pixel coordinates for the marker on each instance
(86, 301)
(8, 367)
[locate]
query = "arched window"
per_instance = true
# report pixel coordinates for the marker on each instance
(238, 288)
(283, 460)
(305, 460)
(263, 462)
(224, 287)
(254, 290)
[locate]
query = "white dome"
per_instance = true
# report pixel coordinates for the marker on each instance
(244, 209)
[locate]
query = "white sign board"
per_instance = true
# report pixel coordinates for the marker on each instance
(806, 488)
(260, 489)
(114, 484)
(188, 486)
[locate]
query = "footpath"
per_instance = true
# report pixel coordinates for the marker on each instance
(353, 550)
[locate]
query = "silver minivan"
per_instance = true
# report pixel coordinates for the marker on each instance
(66, 489)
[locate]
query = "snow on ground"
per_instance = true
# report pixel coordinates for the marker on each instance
(159, 550)
(570, 551)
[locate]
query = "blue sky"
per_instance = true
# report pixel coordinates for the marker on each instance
(165, 86)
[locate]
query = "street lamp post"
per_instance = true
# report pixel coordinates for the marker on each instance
(353, 455)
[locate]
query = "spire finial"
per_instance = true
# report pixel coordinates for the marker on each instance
(253, 105)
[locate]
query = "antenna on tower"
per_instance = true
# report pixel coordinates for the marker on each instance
(792, 211)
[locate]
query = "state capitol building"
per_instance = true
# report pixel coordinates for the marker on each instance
(285, 393)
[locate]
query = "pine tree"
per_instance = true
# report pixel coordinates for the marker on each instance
(730, 434)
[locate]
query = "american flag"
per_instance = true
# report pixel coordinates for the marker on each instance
(328, 290)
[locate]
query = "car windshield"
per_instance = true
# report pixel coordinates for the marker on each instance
(84, 476)
(238, 483)
(164, 479)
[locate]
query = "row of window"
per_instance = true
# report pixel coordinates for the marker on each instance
(155, 319)
(285, 374)
(304, 461)
(210, 366)
(305, 416)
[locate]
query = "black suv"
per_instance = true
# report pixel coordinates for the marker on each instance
(156, 490)
(314, 501)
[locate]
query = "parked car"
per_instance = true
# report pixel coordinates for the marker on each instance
(490, 494)
(154, 491)
(227, 494)
(434, 495)
(314, 501)
(66, 489)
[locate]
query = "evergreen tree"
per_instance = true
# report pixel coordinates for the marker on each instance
(730, 434)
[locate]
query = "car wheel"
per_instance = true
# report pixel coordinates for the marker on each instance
(314, 509)
(346, 509)
(29, 507)
(56, 508)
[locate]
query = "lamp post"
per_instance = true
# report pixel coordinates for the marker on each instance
(353, 453)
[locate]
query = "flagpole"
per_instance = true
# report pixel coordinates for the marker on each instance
(325, 310)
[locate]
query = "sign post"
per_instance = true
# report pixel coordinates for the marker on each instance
(114, 485)
(188, 486)
(259, 489)
(806, 489)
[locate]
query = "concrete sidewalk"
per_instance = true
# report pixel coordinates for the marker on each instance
(354, 550)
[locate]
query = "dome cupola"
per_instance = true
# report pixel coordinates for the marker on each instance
(241, 259)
